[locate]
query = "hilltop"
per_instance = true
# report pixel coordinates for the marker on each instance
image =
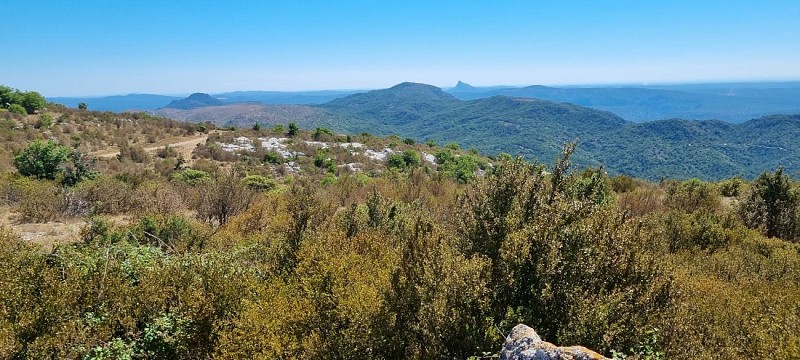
(194, 101)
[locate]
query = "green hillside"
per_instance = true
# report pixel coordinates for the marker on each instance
(537, 129)
(532, 128)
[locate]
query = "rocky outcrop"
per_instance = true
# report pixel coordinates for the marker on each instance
(523, 343)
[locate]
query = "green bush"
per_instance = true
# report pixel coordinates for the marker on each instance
(731, 187)
(692, 195)
(17, 109)
(553, 249)
(407, 159)
(260, 183)
(772, 205)
(191, 176)
(41, 159)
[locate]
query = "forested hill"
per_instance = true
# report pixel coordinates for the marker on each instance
(537, 129)
(705, 149)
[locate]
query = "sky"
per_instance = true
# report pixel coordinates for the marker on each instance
(88, 47)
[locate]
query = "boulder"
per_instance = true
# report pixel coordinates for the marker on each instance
(523, 343)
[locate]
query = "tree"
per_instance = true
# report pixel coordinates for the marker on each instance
(83, 106)
(41, 159)
(32, 101)
(9, 96)
(293, 130)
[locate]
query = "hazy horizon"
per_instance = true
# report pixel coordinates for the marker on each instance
(97, 48)
(448, 86)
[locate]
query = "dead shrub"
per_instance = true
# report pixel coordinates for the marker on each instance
(225, 196)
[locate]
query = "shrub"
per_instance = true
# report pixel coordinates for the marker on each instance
(622, 184)
(319, 132)
(407, 159)
(293, 130)
(191, 176)
(731, 187)
(692, 195)
(552, 252)
(41, 159)
(772, 205)
(109, 195)
(46, 120)
(166, 152)
(272, 157)
(135, 153)
(258, 182)
(17, 109)
(223, 197)
(39, 200)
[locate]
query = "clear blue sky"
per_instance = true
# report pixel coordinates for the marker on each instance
(85, 47)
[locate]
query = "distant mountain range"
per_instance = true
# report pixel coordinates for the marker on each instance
(728, 102)
(537, 129)
(145, 102)
(734, 102)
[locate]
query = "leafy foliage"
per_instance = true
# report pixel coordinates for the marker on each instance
(41, 159)
(48, 160)
(773, 204)
(30, 102)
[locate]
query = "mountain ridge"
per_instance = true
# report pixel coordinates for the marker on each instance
(537, 129)
(196, 100)
(731, 102)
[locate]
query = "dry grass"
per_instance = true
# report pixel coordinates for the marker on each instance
(46, 234)
(184, 146)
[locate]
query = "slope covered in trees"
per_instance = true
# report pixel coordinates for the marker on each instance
(536, 128)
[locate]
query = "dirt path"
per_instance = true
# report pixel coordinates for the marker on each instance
(184, 148)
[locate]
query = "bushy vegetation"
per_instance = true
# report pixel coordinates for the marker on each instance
(225, 255)
(21, 102)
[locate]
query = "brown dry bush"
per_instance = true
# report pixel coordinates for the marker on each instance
(223, 197)
(40, 200)
(641, 201)
(109, 196)
(158, 197)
